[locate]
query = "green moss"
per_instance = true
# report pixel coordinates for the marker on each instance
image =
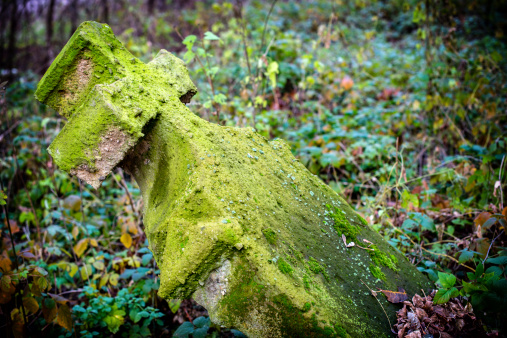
(341, 332)
(342, 225)
(295, 324)
(307, 307)
(362, 220)
(202, 191)
(316, 268)
(307, 281)
(380, 258)
(284, 266)
(376, 271)
(270, 235)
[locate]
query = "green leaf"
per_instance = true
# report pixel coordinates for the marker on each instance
(479, 271)
(271, 73)
(489, 223)
(465, 256)
(115, 319)
(407, 197)
(496, 270)
(446, 279)
(472, 287)
(210, 36)
(200, 332)
(189, 56)
(189, 41)
(237, 333)
(471, 276)
(501, 260)
(220, 98)
(146, 258)
(174, 305)
(409, 224)
(184, 330)
(443, 295)
(202, 321)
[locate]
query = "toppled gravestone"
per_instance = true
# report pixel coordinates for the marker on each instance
(233, 220)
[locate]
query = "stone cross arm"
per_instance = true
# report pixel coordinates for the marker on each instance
(108, 96)
(233, 220)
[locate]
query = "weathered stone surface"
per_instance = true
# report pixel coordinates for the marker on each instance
(233, 219)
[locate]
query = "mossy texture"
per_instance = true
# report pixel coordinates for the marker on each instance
(233, 219)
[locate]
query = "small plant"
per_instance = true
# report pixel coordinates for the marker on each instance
(448, 291)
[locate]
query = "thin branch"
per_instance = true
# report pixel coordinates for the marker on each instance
(493, 241)
(374, 294)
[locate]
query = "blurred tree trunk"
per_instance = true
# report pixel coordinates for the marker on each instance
(11, 49)
(73, 17)
(3, 10)
(105, 11)
(49, 23)
(151, 6)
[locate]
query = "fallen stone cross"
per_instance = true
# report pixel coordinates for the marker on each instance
(233, 220)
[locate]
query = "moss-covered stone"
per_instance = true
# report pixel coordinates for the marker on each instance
(221, 204)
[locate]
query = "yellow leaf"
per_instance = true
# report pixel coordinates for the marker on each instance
(126, 239)
(73, 269)
(75, 232)
(99, 265)
(72, 202)
(86, 271)
(113, 279)
(30, 304)
(93, 242)
(81, 247)
(64, 318)
(49, 310)
(103, 280)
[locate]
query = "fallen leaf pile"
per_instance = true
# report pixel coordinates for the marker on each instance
(421, 318)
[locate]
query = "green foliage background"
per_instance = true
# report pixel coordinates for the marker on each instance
(400, 106)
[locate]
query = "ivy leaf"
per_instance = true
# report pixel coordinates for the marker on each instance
(446, 279)
(64, 318)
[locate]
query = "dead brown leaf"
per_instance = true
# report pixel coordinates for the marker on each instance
(395, 296)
